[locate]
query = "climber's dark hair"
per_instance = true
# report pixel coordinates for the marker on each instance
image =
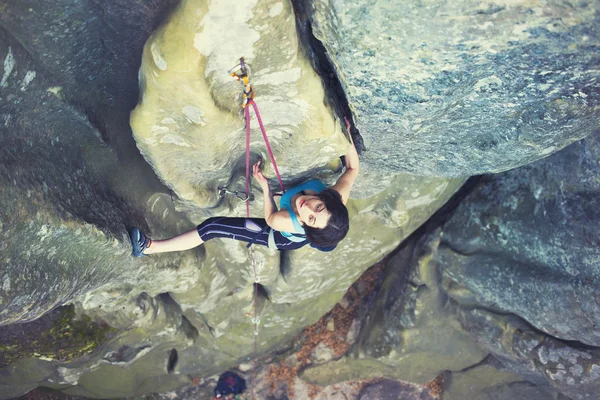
(337, 226)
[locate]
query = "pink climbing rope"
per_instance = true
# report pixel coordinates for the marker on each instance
(247, 114)
(272, 157)
(248, 98)
(264, 133)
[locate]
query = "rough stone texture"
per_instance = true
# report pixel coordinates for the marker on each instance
(464, 88)
(527, 241)
(291, 373)
(409, 332)
(219, 305)
(189, 124)
(572, 371)
(299, 372)
(490, 382)
(55, 199)
(64, 112)
(72, 182)
(81, 43)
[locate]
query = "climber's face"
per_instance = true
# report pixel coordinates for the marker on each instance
(312, 211)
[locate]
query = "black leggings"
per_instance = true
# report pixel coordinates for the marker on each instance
(246, 230)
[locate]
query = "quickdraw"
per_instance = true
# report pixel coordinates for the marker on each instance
(243, 77)
(223, 190)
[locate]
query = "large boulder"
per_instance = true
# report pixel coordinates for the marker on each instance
(463, 88)
(408, 332)
(189, 124)
(206, 317)
(506, 287)
(91, 48)
(526, 241)
(66, 89)
(54, 201)
(521, 258)
(398, 322)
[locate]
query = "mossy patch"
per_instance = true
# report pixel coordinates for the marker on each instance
(58, 336)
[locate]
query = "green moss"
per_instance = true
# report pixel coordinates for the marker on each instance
(67, 338)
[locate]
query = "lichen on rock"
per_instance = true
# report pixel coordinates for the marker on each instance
(464, 88)
(59, 336)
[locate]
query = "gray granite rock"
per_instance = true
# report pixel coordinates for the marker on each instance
(53, 200)
(72, 182)
(92, 47)
(528, 242)
(572, 371)
(463, 88)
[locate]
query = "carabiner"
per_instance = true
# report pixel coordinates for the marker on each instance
(248, 93)
(242, 67)
(240, 195)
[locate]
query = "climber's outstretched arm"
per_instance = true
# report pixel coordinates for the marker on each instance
(346, 180)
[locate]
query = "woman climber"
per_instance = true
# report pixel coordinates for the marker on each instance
(310, 213)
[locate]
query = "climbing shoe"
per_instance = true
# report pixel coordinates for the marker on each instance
(139, 242)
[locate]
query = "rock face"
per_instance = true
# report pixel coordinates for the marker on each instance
(501, 297)
(61, 215)
(72, 182)
(189, 124)
(464, 88)
(526, 243)
(572, 371)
